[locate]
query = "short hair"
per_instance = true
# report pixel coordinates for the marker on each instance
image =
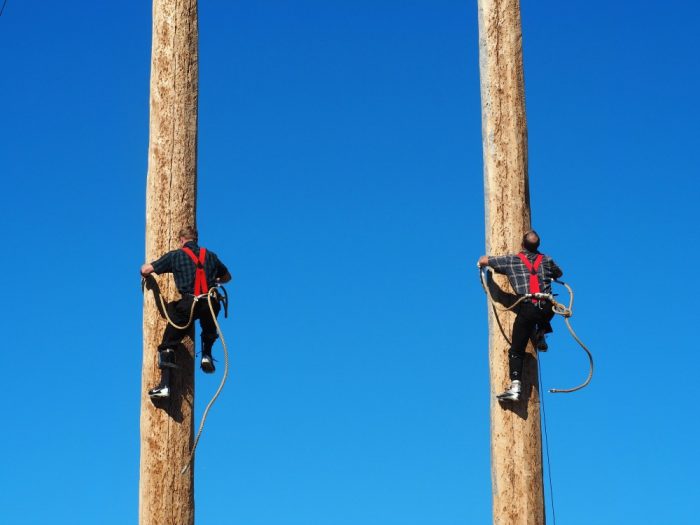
(533, 241)
(189, 233)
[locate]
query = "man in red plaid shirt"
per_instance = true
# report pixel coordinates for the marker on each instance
(528, 272)
(194, 270)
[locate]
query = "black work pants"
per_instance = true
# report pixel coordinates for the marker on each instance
(529, 317)
(179, 312)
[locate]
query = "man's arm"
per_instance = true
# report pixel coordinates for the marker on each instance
(498, 263)
(556, 271)
(162, 265)
(224, 278)
(146, 270)
(222, 273)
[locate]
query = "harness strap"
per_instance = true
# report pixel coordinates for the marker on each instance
(532, 268)
(200, 277)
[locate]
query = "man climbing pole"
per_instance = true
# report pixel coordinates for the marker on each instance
(193, 269)
(528, 272)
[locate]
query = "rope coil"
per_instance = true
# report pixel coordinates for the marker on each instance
(560, 309)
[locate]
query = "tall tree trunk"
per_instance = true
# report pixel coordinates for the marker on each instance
(516, 442)
(166, 497)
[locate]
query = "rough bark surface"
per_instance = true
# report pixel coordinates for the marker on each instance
(516, 443)
(166, 497)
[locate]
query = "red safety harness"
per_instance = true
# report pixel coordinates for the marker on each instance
(532, 268)
(200, 278)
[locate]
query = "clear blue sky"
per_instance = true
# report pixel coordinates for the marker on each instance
(340, 179)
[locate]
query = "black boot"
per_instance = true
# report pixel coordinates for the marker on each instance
(512, 393)
(207, 362)
(166, 361)
(162, 391)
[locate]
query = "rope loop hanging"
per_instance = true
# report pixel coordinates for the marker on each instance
(560, 309)
(215, 292)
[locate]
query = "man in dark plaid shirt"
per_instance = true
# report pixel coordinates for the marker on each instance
(532, 317)
(184, 270)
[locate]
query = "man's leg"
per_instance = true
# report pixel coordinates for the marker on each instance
(522, 328)
(209, 334)
(179, 314)
(543, 327)
(546, 314)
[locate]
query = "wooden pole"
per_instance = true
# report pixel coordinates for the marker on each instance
(166, 497)
(516, 441)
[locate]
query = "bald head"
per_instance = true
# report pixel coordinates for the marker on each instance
(531, 241)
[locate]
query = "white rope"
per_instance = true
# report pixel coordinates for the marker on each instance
(565, 311)
(208, 295)
(218, 391)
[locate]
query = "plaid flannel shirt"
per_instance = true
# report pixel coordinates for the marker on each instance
(183, 268)
(519, 275)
